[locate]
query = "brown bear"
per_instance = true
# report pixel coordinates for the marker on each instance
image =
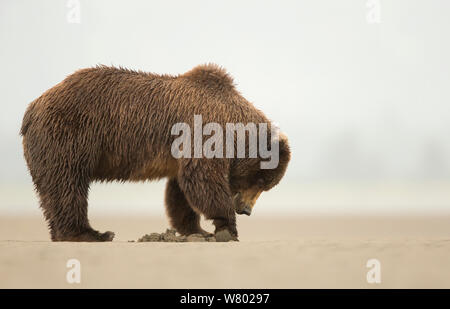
(106, 123)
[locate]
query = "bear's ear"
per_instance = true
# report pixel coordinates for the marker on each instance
(284, 150)
(282, 136)
(283, 143)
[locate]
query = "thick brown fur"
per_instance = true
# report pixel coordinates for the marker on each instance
(106, 124)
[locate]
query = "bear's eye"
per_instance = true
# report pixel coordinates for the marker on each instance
(260, 182)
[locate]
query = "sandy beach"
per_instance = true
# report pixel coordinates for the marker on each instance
(273, 252)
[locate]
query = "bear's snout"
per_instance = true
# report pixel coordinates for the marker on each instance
(240, 206)
(247, 210)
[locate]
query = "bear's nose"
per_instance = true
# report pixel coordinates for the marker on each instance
(247, 210)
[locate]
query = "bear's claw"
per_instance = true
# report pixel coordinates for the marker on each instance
(224, 236)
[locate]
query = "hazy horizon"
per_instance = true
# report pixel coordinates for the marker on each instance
(360, 102)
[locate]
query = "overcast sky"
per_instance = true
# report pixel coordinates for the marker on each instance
(359, 98)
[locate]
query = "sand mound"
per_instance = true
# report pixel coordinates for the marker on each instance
(171, 236)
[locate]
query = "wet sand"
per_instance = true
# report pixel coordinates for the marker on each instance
(273, 252)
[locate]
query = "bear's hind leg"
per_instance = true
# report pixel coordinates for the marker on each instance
(65, 205)
(181, 215)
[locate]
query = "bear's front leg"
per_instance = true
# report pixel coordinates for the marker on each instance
(181, 215)
(204, 183)
(225, 229)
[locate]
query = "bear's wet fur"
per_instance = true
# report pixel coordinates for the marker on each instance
(114, 124)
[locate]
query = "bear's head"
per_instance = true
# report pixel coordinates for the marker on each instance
(248, 180)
